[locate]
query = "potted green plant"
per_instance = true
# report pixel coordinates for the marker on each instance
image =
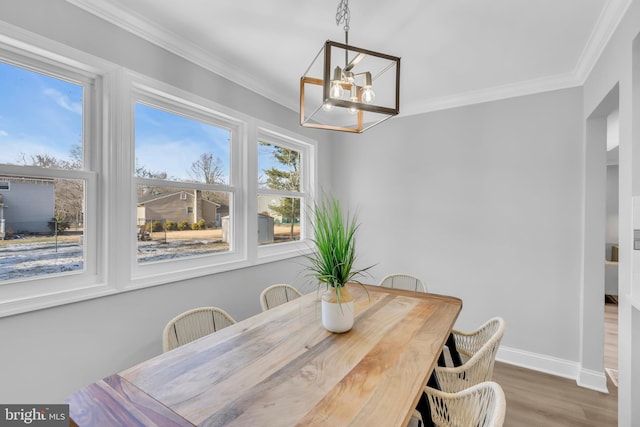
(332, 262)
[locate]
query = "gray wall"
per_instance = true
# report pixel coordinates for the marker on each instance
(48, 354)
(482, 202)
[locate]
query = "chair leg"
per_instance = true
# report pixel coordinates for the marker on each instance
(423, 404)
(455, 356)
(433, 381)
(425, 411)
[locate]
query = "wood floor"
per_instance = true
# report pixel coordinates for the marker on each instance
(611, 336)
(536, 399)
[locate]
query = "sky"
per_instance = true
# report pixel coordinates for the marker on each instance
(38, 115)
(43, 115)
(167, 142)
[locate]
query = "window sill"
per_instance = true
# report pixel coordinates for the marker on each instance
(282, 251)
(267, 254)
(54, 299)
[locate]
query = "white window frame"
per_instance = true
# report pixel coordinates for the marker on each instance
(159, 95)
(308, 166)
(109, 163)
(26, 50)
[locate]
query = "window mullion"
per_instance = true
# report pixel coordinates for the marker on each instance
(283, 193)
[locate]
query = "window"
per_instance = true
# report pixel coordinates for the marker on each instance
(43, 132)
(143, 186)
(183, 176)
(283, 187)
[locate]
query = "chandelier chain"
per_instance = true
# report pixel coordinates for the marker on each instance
(343, 14)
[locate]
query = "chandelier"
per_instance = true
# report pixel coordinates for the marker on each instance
(347, 88)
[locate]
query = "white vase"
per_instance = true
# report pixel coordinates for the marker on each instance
(337, 316)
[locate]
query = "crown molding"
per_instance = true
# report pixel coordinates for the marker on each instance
(146, 29)
(608, 21)
(605, 27)
(496, 93)
(19, 40)
(140, 26)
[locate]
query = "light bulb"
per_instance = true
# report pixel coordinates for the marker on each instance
(353, 98)
(368, 95)
(327, 106)
(336, 84)
(336, 90)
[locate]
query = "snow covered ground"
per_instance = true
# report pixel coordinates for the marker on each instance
(158, 251)
(24, 259)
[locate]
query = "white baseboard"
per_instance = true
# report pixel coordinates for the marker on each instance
(593, 379)
(552, 365)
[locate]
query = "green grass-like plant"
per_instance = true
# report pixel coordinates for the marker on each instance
(334, 256)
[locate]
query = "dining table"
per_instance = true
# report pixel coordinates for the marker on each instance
(282, 368)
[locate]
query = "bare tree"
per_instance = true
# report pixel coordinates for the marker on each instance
(68, 193)
(207, 169)
(142, 172)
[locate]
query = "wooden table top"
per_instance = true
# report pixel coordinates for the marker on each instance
(282, 368)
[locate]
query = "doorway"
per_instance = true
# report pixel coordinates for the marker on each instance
(595, 249)
(611, 250)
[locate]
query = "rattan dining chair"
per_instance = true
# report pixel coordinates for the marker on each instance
(276, 295)
(480, 347)
(403, 281)
(468, 343)
(194, 324)
(481, 405)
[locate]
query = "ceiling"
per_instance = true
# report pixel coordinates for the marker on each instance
(454, 52)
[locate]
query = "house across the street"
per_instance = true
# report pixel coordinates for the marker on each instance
(26, 205)
(178, 206)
